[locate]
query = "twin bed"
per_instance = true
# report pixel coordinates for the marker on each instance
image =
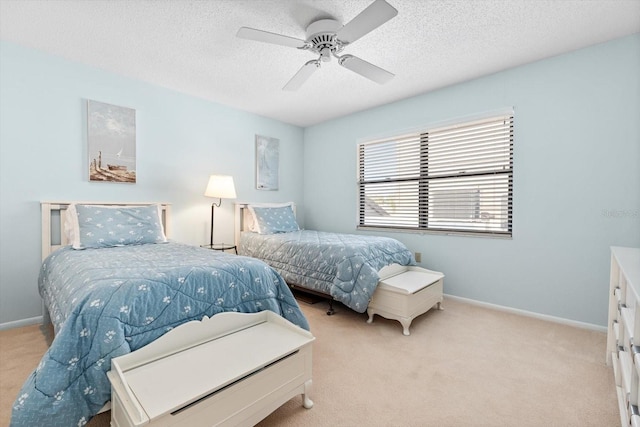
(112, 282)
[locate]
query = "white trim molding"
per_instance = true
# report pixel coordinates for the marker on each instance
(20, 323)
(568, 322)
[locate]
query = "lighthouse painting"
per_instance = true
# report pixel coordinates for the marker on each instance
(111, 136)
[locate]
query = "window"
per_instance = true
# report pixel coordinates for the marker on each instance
(454, 179)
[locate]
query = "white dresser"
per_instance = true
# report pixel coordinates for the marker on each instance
(623, 349)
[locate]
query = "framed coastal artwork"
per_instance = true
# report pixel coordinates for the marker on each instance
(111, 138)
(267, 162)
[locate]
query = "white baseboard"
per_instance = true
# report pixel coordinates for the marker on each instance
(547, 317)
(583, 325)
(19, 323)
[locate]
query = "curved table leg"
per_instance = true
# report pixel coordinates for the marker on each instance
(306, 400)
(370, 313)
(405, 325)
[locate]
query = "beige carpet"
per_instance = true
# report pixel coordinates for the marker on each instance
(464, 366)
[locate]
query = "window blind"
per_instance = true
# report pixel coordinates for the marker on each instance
(454, 179)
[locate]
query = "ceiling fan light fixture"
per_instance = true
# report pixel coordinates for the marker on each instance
(325, 54)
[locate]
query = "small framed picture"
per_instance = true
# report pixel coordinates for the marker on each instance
(267, 162)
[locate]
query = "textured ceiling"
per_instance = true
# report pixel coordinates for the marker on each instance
(191, 47)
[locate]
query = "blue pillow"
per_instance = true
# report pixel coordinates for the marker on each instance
(98, 226)
(274, 219)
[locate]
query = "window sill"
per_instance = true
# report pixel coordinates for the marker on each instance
(438, 232)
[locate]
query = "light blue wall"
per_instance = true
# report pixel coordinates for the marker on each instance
(576, 180)
(181, 140)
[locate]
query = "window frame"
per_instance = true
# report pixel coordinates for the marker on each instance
(492, 179)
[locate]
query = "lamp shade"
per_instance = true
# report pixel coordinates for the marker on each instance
(221, 186)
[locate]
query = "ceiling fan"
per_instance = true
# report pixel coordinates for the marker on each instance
(327, 38)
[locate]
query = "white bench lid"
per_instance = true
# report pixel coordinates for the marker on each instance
(410, 281)
(164, 385)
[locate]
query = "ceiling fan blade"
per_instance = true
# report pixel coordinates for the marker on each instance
(376, 14)
(365, 69)
(302, 75)
(267, 37)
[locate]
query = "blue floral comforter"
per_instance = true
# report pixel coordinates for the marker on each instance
(344, 266)
(110, 301)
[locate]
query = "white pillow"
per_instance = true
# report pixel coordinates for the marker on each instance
(248, 221)
(70, 223)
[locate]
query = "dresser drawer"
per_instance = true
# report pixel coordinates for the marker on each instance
(623, 334)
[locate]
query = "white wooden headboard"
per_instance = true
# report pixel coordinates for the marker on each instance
(53, 221)
(241, 221)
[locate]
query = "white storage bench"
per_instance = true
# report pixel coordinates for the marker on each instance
(231, 369)
(405, 292)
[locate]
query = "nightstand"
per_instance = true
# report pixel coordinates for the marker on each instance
(221, 247)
